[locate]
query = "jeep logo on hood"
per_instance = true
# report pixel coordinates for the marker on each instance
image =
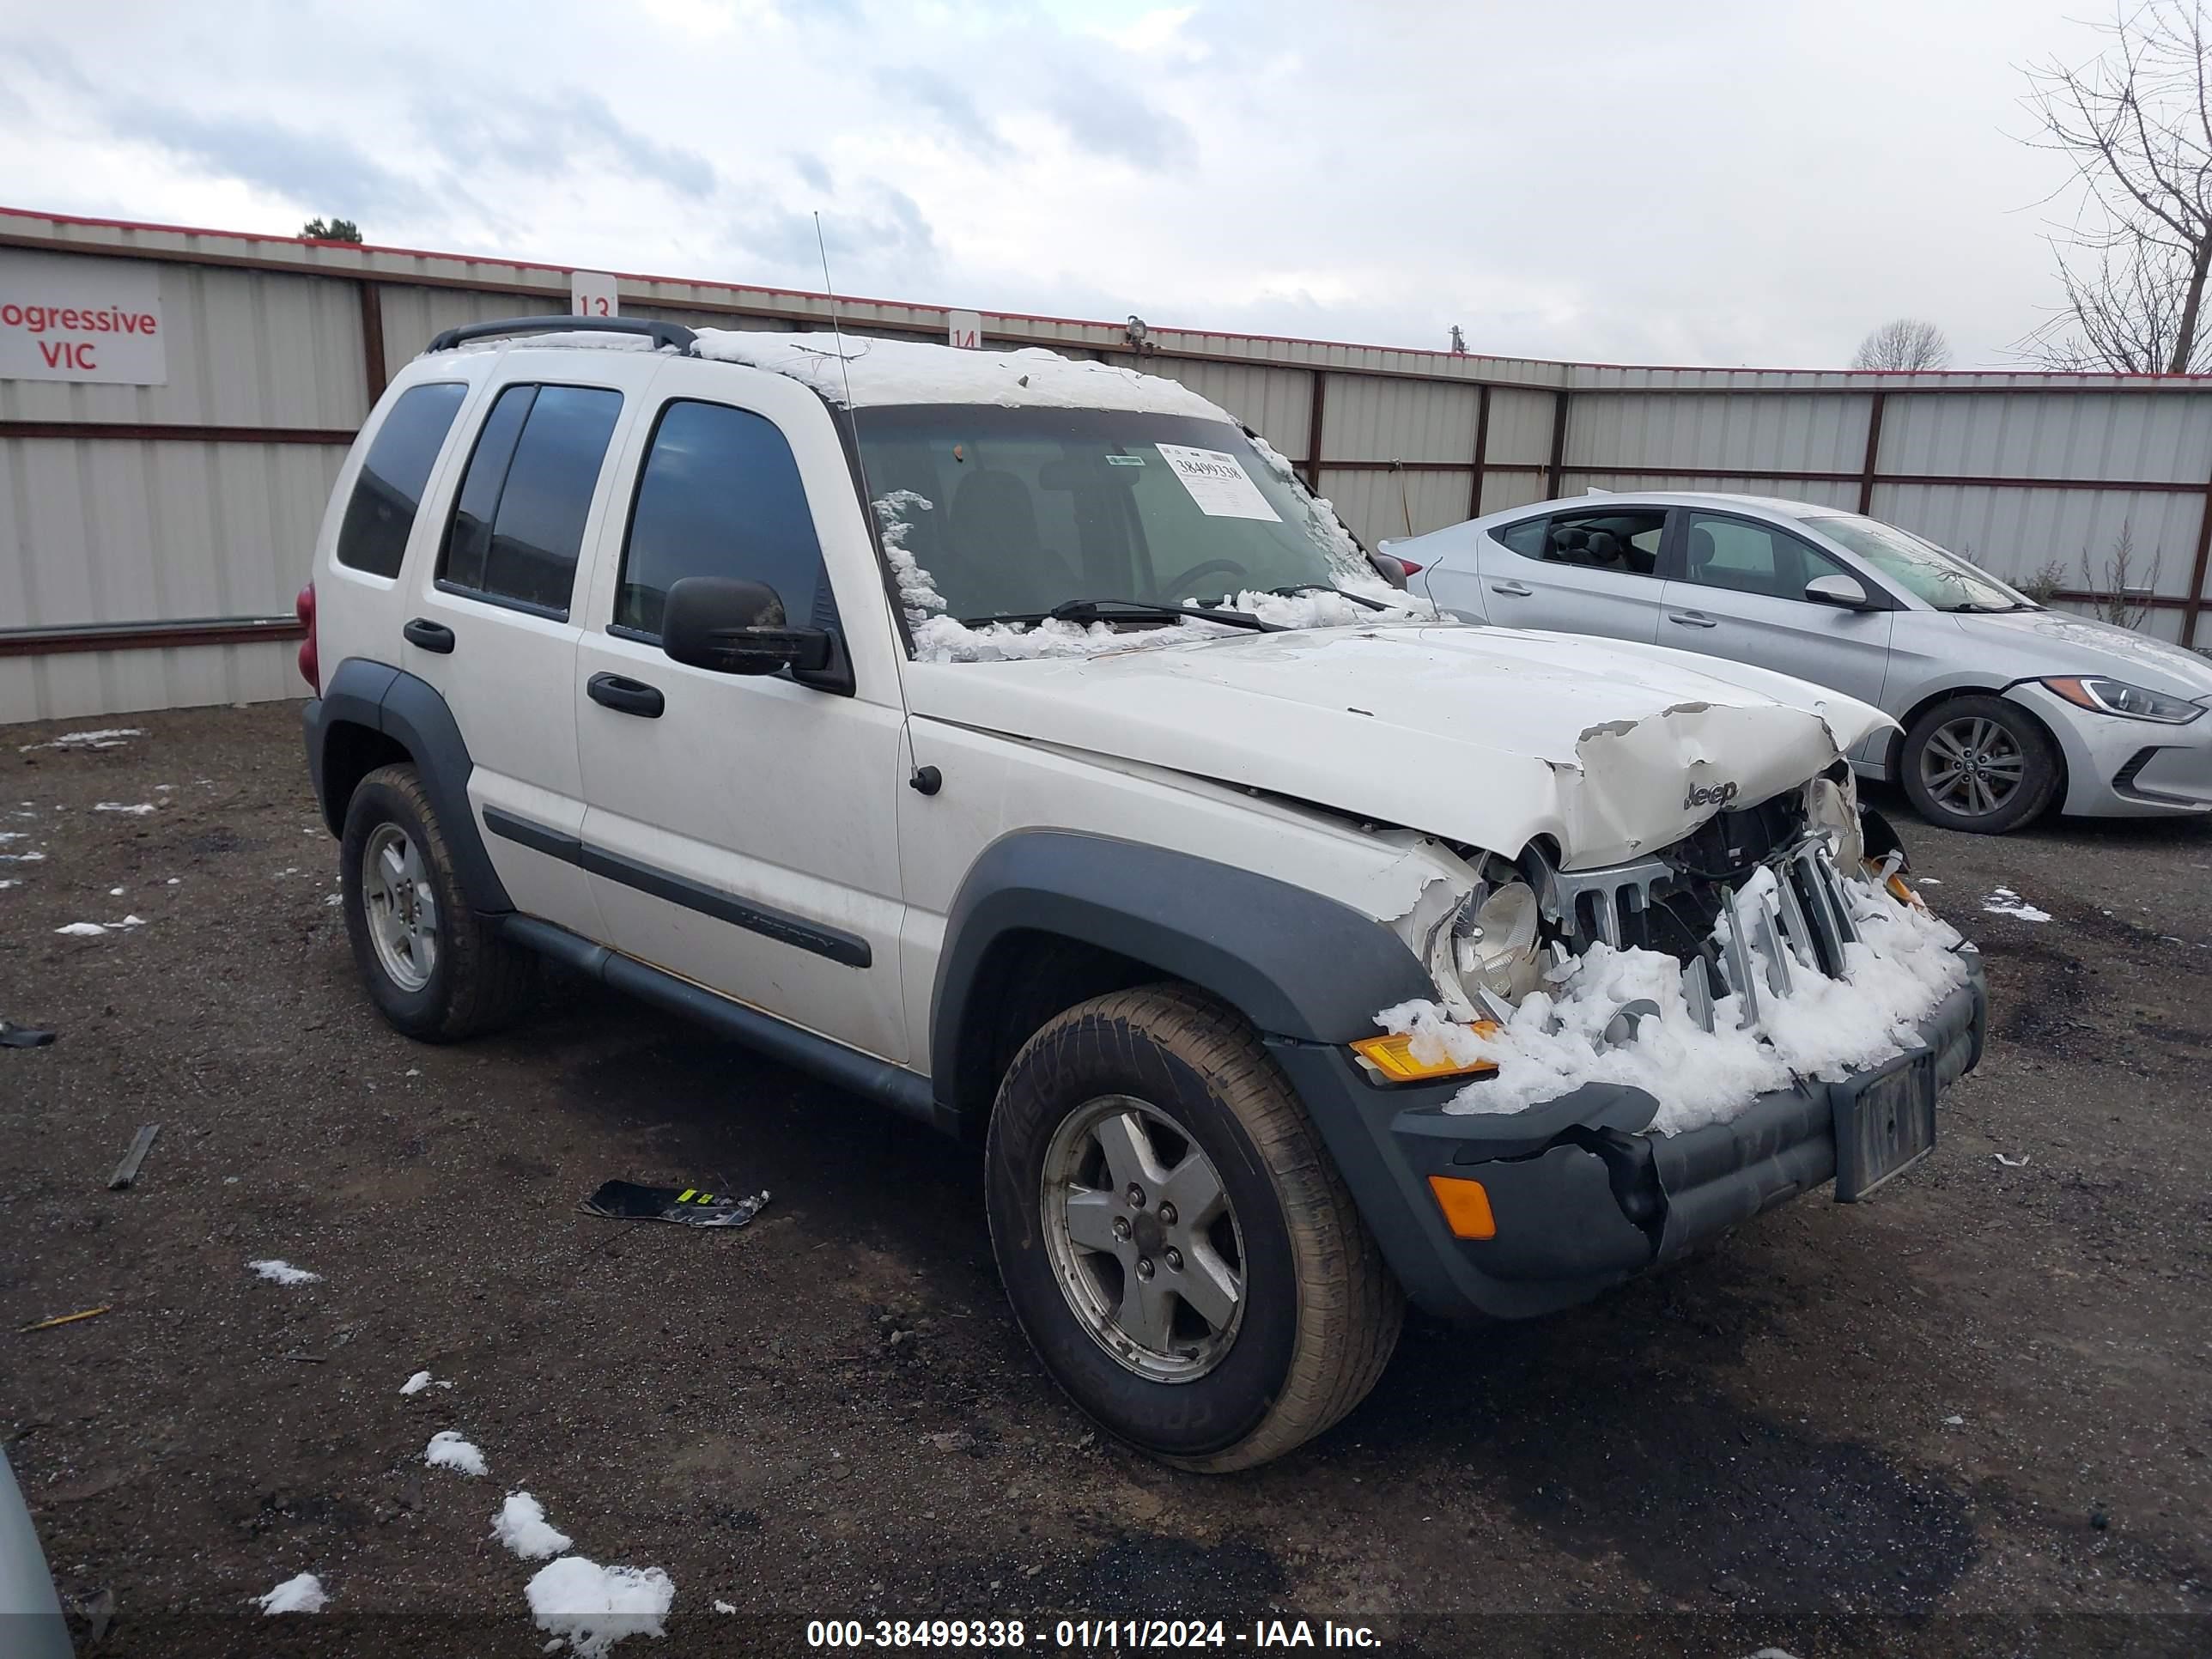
(1710, 794)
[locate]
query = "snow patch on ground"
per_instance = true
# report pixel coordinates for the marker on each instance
(283, 1272)
(1903, 965)
(303, 1593)
(138, 809)
(592, 1607)
(448, 1450)
(23, 857)
(521, 1526)
(2005, 902)
(857, 371)
(107, 738)
(80, 929)
(10, 882)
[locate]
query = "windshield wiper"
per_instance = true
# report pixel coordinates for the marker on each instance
(1291, 589)
(1091, 611)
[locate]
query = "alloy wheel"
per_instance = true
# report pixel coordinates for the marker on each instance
(1142, 1238)
(401, 905)
(1972, 766)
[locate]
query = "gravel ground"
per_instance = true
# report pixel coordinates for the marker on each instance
(1973, 1416)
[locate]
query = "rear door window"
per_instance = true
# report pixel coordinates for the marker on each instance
(1625, 541)
(719, 494)
(380, 515)
(519, 524)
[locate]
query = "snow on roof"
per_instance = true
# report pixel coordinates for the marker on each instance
(880, 372)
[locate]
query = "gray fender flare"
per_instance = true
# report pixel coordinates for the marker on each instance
(1297, 964)
(412, 713)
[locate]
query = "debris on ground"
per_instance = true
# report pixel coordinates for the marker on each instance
(22, 1036)
(2003, 902)
(127, 1172)
(283, 1272)
(448, 1450)
(302, 1593)
(521, 1526)
(723, 1606)
(626, 1201)
(135, 809)
(592, 1607)
(2020, 1162)
(80, 929)
(64, 1319)
(421, 1380)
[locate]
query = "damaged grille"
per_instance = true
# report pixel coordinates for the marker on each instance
(1674, 903)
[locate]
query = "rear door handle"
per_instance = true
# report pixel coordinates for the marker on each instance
(1691, 619)
(625, 696)
(431, 636)
(1518, 590)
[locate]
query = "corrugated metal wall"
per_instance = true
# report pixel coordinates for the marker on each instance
(151, 537)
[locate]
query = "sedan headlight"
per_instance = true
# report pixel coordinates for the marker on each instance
(2102, 696)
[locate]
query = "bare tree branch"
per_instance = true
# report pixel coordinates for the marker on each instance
(2136, 122)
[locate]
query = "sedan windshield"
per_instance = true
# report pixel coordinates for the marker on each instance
(1013, 513)
(1944, 580)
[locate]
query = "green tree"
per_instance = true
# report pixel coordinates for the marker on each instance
(331, 230)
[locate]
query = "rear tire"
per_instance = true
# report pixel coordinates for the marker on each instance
(1315, 1314)
(434, 969)
(1979, 764)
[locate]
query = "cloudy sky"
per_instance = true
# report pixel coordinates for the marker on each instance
(1712, 181)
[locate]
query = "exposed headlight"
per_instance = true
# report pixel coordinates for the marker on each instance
(2102, 696)
(1488, 945)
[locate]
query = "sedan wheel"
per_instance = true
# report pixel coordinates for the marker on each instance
(1980, 764)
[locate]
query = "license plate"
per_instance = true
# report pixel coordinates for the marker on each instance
(1885, 1124)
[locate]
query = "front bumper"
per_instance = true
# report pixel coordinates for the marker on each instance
(2118, 767)
(1582, 1197)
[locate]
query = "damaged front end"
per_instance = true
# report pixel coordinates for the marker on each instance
(1758, 912)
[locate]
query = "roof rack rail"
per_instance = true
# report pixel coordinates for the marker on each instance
(674, 335)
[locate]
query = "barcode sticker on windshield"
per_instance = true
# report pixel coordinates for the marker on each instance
(1217, 483)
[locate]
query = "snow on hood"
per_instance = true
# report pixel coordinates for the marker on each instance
(2080, 645)
(1490, 735)
(867, 372)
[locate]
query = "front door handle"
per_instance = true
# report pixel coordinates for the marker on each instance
(1691, 619)
(625, 696)
(431, 636)
(1518, 590)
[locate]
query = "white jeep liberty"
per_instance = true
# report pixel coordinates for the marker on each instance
(1015, 741)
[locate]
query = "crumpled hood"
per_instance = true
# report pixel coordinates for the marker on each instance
(2065, 644)
(1485, 735)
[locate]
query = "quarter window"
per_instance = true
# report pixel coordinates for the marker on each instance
(379, 515)
(1743, 557)
(519, 524)
(719, 494)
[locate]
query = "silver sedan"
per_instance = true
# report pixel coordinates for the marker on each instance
(2009, 709)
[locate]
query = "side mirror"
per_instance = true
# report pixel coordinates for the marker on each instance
(1845, 593)
(735, 627)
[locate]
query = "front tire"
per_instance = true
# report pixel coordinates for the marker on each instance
(1175, 1242)
(433, 967)
(1979, 764)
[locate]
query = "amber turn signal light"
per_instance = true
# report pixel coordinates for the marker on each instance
(1466, 1204)
(1393, 1056)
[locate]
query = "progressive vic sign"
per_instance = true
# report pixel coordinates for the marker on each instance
(67, 319)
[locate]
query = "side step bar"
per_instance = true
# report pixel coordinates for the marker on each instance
(894, 1086)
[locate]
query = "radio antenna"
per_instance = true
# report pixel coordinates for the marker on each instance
(843, 364)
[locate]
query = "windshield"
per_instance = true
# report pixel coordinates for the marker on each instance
(1944, 580)
(990, 512)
